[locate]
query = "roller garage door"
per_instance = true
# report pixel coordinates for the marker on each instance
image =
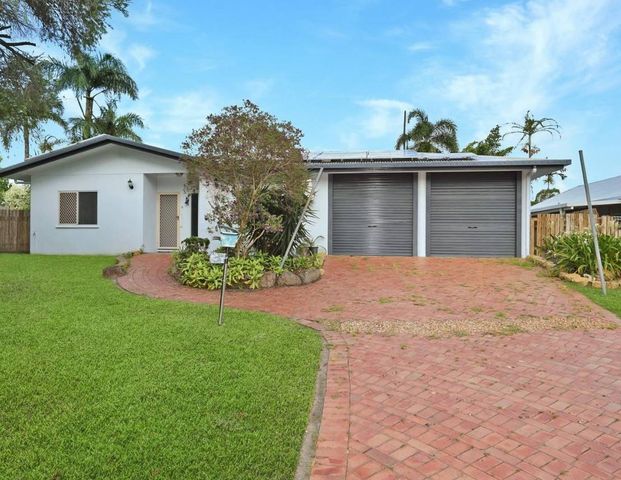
(372, 214)
(473, 214)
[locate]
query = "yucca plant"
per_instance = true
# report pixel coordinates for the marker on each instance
(575, 253)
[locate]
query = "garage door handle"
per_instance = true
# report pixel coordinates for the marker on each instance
(473, 228)
(372, 226)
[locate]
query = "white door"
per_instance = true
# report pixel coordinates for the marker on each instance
(168, 221)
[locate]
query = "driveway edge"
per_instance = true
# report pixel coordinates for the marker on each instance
(309, 442)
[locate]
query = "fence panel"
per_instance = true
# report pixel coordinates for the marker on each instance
(14, 230)
(546, 225)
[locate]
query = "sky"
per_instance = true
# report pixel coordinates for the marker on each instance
(343, 71)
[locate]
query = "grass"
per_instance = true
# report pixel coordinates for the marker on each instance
(611, 302)
(98, 383)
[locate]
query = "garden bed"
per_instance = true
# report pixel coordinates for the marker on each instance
(572, 257)
(253, 272)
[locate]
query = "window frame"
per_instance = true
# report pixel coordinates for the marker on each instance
(77, 225)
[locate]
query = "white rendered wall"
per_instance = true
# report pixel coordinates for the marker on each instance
(318, 227)
(421, 215)
(149, 216)
(120, 210)
(525, 240)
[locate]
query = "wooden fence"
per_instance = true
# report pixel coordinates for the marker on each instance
(14, 230)
(545, 225)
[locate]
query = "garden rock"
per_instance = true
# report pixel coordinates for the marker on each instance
(288, 279)
(117, 270)
(311, 275)
(268, 280)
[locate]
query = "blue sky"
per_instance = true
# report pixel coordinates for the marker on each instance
(344, 70)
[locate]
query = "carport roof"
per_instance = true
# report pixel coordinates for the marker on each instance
(395, 159)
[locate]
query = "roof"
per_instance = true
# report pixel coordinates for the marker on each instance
(603, 192)
(389, 159)
(418, 160)
(84, 145)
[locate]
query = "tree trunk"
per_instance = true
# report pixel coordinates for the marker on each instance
(26, 132)
(88, 116)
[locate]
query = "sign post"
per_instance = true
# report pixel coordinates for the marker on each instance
(228, 239)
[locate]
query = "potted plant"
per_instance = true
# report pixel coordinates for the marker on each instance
(311, 245)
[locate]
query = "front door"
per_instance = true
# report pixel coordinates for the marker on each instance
(168, 221)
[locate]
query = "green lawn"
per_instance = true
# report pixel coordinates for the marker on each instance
(611, 301)
(99, 383)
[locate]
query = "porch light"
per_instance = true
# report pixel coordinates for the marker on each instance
(130, 184)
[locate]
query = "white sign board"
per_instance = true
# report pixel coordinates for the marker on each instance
(217, 258)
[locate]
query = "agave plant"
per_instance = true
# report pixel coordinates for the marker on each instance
(575, 253)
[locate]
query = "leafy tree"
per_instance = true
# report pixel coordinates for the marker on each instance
(48, 143)
(91, 76)
(530, 127)
(490, 146)
(74, 25)
(248, 156)
(108, 122)
(428, 136)
(17, 197)
(29, 97)
(545, 194)
(4, 185)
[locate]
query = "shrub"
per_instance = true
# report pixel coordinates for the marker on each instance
(194, 245)
(575, 253)
(195, 270)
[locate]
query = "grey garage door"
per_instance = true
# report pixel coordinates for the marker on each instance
(372, 214)
(472, 214)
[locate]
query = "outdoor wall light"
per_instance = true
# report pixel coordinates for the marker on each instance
(130, 184)
(187, 200)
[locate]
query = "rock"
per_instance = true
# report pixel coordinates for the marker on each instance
(311, 275)
(268, 280)
(114, 271)
(288, 279)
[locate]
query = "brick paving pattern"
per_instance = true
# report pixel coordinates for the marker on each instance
(543, 405)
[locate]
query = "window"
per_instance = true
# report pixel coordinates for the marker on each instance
(77, 208)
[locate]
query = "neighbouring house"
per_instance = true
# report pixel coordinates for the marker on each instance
(605, 197)
(107, 195)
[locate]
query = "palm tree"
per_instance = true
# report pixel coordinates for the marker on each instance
(427, 136)
(28, 98)
(108, 122)
(530, 127)
(94, 75)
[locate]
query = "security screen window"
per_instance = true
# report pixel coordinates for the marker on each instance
(77, 208)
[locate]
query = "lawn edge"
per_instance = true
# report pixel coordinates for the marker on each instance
(311, 435)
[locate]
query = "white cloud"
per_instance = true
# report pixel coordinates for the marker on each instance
(258, 88)
(382, 116)
(378, 118)
(420, 47)
(141, 54)
(133, 54)
(183, 112)
(531, 54)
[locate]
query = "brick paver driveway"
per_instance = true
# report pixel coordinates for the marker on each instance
(544, 404)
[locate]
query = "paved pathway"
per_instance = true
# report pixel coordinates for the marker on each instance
(541, 405)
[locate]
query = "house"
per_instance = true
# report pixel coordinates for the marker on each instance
(107, 195)
(605, 197)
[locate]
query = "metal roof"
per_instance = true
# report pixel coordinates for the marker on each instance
(418, 160)
(603, 192)
(88, 144)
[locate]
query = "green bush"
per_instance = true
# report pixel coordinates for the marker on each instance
(195, 270)
(194, 245)
(575, 253)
